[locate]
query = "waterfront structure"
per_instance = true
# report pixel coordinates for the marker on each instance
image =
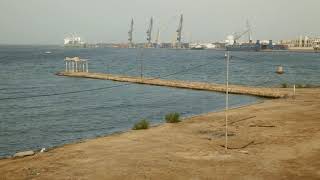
(301, 43)
(233, 89)
(74, 41)
(76, 64)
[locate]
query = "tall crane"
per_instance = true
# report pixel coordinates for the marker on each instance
(158, 38)
(179, 32)
(149, 32)
(130, 34)
(248, 31)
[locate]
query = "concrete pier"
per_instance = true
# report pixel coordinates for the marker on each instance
(234, 89)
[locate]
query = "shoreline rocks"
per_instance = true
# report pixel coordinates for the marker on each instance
(23, 154)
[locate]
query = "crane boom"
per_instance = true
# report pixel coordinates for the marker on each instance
(247, 31)
(130, 33)
(179, 30)
(149, 31)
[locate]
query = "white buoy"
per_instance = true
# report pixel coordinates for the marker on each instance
(280, 70)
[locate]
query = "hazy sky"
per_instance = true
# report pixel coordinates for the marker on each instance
(49, 21)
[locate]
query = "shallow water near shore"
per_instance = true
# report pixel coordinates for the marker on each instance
(57, 116)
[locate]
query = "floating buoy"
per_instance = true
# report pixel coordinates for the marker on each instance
(280, 70)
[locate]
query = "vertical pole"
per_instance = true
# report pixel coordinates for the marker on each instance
(87, 66)
(66, 70)
(227, 99)
(141, 65)
(141, 69)
(82, 66)
(76, 66)
(294, 90)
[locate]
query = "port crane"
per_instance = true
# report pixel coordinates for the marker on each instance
(130, 34)
(179, 32)
(248, 31)
(149, 32)
(158, 38)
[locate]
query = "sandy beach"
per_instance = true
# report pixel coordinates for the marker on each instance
(275, 139)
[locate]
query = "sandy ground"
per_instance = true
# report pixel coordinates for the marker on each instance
(284, 136)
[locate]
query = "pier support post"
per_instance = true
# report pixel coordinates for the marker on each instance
(66, 70)
(76, 62)
(87, 67)
(69, 66)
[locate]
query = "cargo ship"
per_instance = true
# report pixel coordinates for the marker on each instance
(244, 47)
(258, 46)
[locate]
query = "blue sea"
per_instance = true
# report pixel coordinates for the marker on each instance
(39, 109)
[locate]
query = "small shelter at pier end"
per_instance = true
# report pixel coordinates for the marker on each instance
(76, 64)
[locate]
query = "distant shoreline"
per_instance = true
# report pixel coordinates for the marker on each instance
(61, 46)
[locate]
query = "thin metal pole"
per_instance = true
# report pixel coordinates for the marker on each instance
(227, 99)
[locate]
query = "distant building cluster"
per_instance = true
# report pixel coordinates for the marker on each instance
(303, 42)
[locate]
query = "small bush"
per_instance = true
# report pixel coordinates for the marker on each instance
(308, 86)
(304, 86)
(172, 117)
(284, 85)
(142, 124)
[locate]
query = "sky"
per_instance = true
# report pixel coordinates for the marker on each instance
(50, 21)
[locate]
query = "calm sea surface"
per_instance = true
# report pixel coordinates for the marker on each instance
(39, 109)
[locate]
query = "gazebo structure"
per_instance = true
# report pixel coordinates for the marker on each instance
(76, 64)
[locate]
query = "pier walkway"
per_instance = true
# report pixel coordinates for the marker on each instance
(234, 89)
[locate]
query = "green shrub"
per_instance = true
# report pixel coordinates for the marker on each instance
(308, 86)
(284, 85)
(142, 124)
(303, 86)
(172, 117)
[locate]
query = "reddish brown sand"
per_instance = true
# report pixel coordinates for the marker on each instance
(285, 144)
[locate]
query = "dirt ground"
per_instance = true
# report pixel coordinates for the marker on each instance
(276, 139)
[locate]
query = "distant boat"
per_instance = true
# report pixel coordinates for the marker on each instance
(198, 47)
(48, 52)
